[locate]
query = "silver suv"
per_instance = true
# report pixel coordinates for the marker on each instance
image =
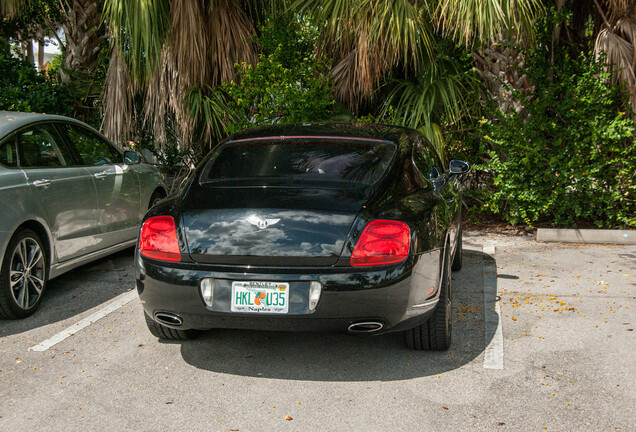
(67, 196)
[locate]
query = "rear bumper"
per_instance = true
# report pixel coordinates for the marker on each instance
(392, 295)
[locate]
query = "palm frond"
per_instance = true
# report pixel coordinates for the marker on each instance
(404, 28)
(258, 10)
(189, 43)
(618, 54)
(469, 20)
(627, 29)
(367, 39)
(9, 8)
(618, 9)
(164, 98)
(139, 28)
(117, 99)
(230, 39)
(438, 95)
(210, 110)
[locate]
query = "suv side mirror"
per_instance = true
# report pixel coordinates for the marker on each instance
(458, 167)
(132, 157)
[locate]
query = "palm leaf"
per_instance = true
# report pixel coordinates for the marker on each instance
(117, 99)
(367, 39)
(210, 109)
(618, 54)
(484, 20)
(9, 8)
(189, 43)
(437, 95)
(139, 28)
(230, 34)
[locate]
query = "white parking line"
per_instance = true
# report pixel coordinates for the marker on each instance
(494, 354)
(117, 302)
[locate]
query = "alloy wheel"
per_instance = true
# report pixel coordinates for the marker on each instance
(26, 273)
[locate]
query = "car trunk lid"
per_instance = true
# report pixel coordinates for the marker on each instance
(270, 225)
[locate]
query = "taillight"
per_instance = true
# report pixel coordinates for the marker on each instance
(382, 242)
(158, 239)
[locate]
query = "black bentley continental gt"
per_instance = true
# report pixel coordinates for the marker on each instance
(350, 227)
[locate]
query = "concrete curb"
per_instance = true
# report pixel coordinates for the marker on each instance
(587, 236)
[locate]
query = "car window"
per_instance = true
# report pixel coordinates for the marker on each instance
(344, 161)
(39, 148)
(92, 148)
(8, 156)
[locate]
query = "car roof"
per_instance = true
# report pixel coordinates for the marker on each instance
(13, 120)
(373, 131)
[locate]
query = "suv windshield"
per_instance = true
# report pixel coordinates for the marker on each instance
(343, 161)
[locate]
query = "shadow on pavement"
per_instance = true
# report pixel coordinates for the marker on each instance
(340, 357)
(77, 291)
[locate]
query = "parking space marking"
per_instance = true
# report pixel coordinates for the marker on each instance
(117, 302)
(494, 354)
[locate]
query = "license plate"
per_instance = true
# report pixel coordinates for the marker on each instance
(260, 297)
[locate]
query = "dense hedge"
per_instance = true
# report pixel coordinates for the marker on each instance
(570, 156)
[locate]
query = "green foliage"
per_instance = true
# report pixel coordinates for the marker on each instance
(290, 40)
(30, 19)
(23, 89)
(443, 91)
(289, 85)
(571, 156)
(210, 109)
(139, 28)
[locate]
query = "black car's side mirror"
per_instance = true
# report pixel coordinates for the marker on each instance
(132, 157)
(458, 167)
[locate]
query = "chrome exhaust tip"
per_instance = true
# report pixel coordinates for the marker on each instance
(366, 327)
(169, 319)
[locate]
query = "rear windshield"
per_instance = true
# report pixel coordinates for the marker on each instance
(344, 161)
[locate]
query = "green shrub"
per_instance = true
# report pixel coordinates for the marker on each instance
(289, 84)
(570, 156)
(23, 89)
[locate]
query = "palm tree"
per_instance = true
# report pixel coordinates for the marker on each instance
(168, 50)
(390, 52)
(368, 39)
(84, 36)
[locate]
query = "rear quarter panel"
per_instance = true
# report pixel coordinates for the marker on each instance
(149, 180)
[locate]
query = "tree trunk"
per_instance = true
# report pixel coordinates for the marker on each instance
(29, 52)
(498, 66)
(41, 55)
(84, 30)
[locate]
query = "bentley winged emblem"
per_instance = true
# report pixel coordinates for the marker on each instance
(261, 223)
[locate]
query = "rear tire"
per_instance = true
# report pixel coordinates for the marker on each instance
(23, 275)
(436, 333)
(457, 259)
(163, 332)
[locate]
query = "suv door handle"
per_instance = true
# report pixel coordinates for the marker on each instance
(100, 175)
(42, 183)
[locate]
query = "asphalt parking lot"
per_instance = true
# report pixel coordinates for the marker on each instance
(543, 340)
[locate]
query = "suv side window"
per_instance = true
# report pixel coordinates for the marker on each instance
(39, 148)
(93, 150)
(8, 155)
